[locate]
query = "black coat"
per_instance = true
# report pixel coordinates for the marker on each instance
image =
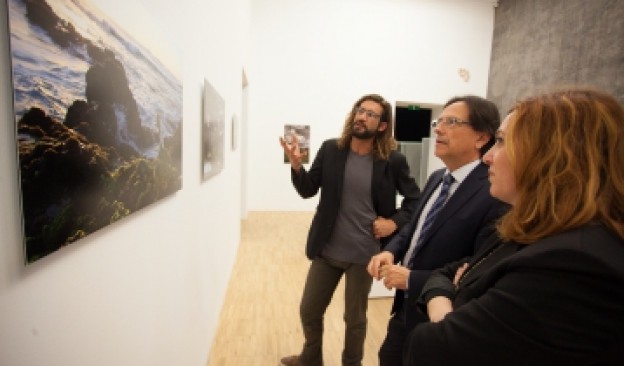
(466, 220)
(327, 174)
(558, 301)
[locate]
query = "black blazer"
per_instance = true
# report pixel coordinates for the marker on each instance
(465, 221)
(327, 172)
(558, 301)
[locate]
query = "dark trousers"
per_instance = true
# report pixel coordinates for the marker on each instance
(391, 351)
(323, 278)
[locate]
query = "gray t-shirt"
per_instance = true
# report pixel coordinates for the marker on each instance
(352, 239)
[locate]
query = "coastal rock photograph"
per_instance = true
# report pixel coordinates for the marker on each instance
(98, 117)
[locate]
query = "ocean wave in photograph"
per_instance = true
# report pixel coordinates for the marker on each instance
(98, 121)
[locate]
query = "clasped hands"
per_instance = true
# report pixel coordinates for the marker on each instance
(381, 267)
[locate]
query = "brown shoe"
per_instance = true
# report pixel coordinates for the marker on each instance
(291, 361)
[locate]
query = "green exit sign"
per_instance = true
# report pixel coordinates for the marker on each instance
(413, 107)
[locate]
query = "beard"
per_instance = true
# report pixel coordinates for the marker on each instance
(364, 134)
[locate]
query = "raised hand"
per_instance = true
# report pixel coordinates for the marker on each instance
(292, 151)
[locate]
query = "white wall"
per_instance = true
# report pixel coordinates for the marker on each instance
(310, 61)
(146, 290)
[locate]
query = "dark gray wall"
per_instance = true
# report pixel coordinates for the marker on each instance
(540, 44)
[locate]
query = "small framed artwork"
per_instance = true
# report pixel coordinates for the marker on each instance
(302, 134)
(234, 132)
(213, 132)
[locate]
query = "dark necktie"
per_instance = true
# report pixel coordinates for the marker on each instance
(431, 215)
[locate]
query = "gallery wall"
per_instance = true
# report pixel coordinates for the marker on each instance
(542, 44)
(148, 289)
(311, 60)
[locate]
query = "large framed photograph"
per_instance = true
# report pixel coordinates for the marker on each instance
(98, 117)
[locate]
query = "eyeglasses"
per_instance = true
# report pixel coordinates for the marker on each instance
(448, 122)
(369, 113)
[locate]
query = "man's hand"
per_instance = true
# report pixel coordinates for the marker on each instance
(377, 261)
(394, 276)
(383, 227)
(292, 151)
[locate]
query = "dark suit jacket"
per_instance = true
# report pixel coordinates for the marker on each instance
(558, 301)
(465, 221)
(327, 173)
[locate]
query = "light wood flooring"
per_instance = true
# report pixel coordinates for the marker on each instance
(259, 321)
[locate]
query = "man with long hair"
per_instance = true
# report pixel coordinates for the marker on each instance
(359, 176)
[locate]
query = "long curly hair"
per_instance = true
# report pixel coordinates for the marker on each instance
(384, 141)
(566, 149)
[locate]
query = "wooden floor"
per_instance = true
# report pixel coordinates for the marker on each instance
(260, 318)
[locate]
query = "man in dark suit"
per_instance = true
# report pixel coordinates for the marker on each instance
(454, 215)
(359, 176)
